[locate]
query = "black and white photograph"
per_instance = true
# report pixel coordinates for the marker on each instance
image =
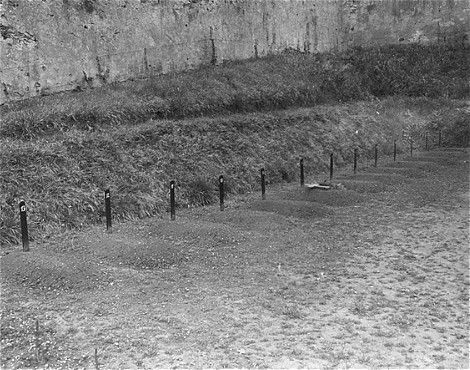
(234, 184)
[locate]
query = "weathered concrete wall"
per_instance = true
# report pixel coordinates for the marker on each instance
(54, 45)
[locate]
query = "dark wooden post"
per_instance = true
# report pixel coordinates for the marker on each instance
(97, 364)
(376, 155)
(395, 150)
(221, 192)
(214, 55)
(331, 166)
(263, 184)
(355, 160)
(36, 340)
(172, 200)
(24, 226)
(107, 203)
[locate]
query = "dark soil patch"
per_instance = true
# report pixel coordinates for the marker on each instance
(300, 209)
(37, 270)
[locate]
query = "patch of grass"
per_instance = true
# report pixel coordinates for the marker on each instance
(412, 70)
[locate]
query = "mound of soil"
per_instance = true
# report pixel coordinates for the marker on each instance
(135, 250)
(363, 186)
(152, 245)
(380, 176)
(442, 160)
(334, 198)
(246, 220)
(397, 169)
(289, 208)
(37, 270)
(147, 256)
(415, 164)
(195, 231)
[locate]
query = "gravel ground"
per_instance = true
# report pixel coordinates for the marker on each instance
(373, 275)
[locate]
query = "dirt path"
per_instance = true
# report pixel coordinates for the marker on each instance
(373, 276)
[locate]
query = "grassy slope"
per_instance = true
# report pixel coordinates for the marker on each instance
(291, 79)
(59, 153)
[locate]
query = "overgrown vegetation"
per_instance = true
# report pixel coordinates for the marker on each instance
(288, 80)
(63, 180)
(60, 152)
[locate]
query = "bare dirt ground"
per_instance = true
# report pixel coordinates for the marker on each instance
(373, 276)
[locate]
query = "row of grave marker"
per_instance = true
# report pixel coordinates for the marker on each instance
(107, 193)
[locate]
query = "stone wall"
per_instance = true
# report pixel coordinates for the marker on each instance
(54, 45)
